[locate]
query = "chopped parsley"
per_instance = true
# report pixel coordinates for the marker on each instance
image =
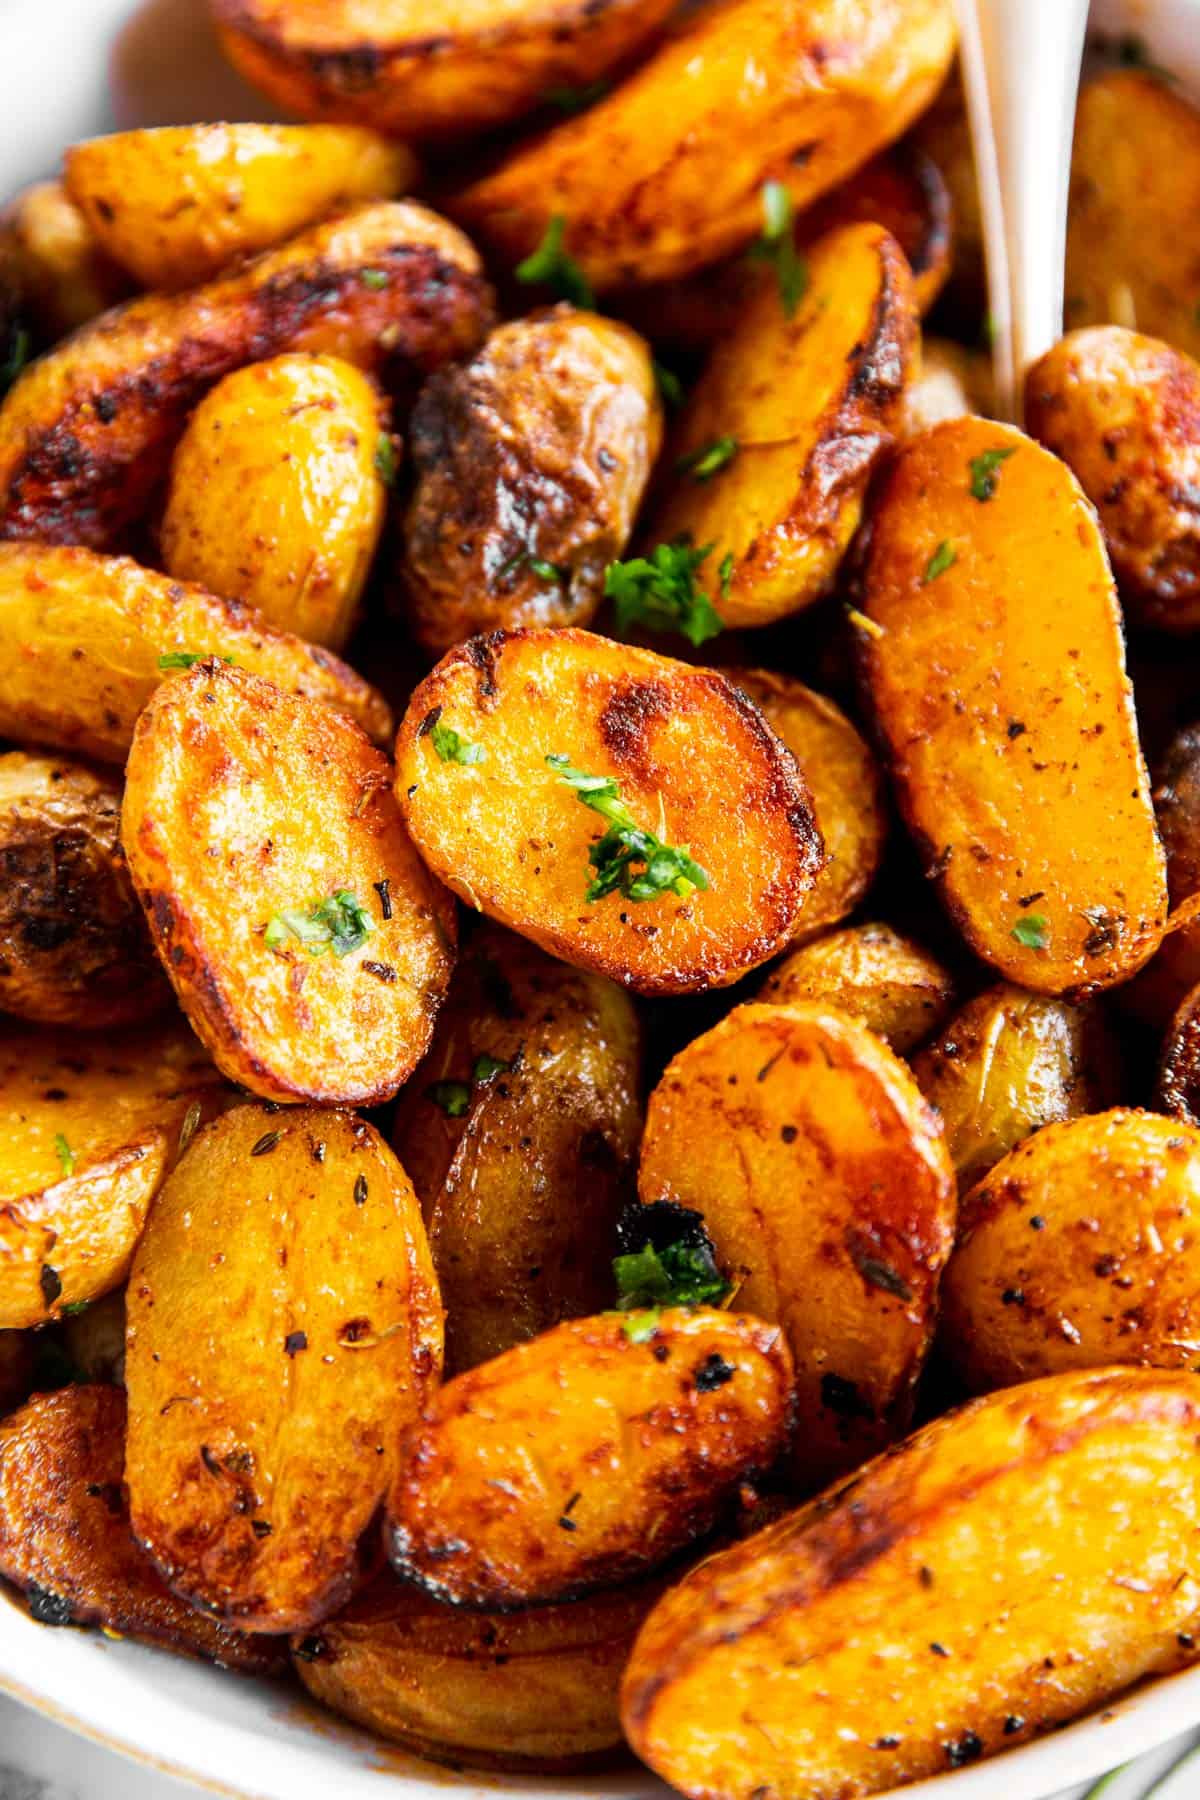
(707, 459)
(777, 245)
(640, 1326)
(664, 868)
(669, 385)
(454, 1097)
(553, 574)
(660, 592)
(373, 278)
(487, 1068)
(679, 1274)
(571, 100)
(943, 558)
(1033, 931)
(187, 659)
(453, 748)
(385, 458)
(550, 266)
(870, 627)
(341, 924)
(985, 471)
(725, 574)
(65, 1154)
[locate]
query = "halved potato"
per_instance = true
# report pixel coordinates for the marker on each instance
(53, 260)
(888, 982)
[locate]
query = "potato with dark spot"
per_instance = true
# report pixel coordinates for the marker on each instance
(53, 261)
(587, 1456)
(891, 984)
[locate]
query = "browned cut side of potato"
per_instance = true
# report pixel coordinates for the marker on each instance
(520, 1132)
(86, 639)
(1008, 1568)
(994, 659)
(283, 1327)
(16, 1368)
(825, 1186)
(887, 982)
(676, 752)
(89, 1127)
(175, 205)
(74, 949)
(86, 433)
(64, 1533)
(303, 936)
(666, 174)
(1177, 1090)
(52, 259)
(951, 381)
(529, 464)
(635, 1428)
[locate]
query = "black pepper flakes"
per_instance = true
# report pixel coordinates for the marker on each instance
(890, 1742)
(1013, 1297)
(360, 1190)
(712, 1373)
(260, 1528)
(266, 1143)
(1013, 1724)
(966, 1749)
(310, 1650)
(566, 1522)
(295, 1341)
(939, 1649)
(47, 1608)
(1037, 1223)
(50, 1283)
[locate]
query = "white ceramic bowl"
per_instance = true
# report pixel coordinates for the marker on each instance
(68, 69)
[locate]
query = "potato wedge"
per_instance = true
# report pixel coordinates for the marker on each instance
(89, 1128)
(85, 640)
(529, 463)
(888, 982)
(303, 936)
(64, 1533)
(519, 1132)
(635, 1428)
(283, 1328)
(86, 433)
(825, 1186)
(690, 757)
(52, 259)
(666, 174)
(1016, 762)
(1002, 1572)
(175, 205)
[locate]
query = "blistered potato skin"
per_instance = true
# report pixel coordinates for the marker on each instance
(175, 205)
(86, 432)
(1000, 694)
(522, 1192)
(825, 1186)
(283, 1327)
(641, 1451)
(800, 1661)
(887, 982)
(540, 447)
(52, 259)
(694, 760)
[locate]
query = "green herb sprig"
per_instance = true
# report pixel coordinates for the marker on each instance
(550, 266)
(340, 923)
(451, 747)
(660, 592)
(678, 1274)
(943, 558)
(776, 244)
(1033, 931)
(985, 471)
(66, 1156)
(707, 460)
(665, 869)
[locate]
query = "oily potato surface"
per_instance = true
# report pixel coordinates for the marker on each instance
(51, 259)
(892, 985)
(994, 660)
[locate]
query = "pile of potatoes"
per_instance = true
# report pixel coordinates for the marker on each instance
(619, 1169)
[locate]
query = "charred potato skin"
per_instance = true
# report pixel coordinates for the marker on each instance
(890, 984)
(1177, 1090)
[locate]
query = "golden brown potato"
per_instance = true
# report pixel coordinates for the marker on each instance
(283, 1327)
(519, 1132)
(16, 1368)
(93, 1338)
(825, 1186)
(64, 1533)
(276, 495)
(304, 938)
(529, 468)
(86, 433)
(1080, 1248)
(950, 381)
(666, 174)
(52, 259)
(74, 949)
(85, 640)
(634, 1428)
(994, 658)
(677, 751)
(176, 205)
(89, 1127)
(887, 982)
(1008, 1568)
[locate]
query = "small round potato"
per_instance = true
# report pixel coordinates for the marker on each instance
(276, 493)
(891, 984)
(54, 262)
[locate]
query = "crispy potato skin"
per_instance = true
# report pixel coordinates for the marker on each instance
(91, 1125)
(641, 1451)
(887, 982)
(1000, 694)
(1124, 412)
(241, 803)
(64, 1532)
(540, 447)
(175, 205)
(81, 636)
(694, 760)
(275, 497)
(283, 1327)
(829, 1197)
(73, 943)
(86, 432)
(799, 1661)
(521, 1193)
(51, 258)
(666, 174)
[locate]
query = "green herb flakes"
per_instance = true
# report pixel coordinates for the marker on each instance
(65, 1154)
(943, 558)
(341, 924)
(679, 1274)
(725, 574)
(660, 592)
(454, 1097)
(487, 1068)
(639, 1327)
(550, 266)
(777, 245)
(386, 466)
(376, 279)
(451, 747)
(707, 459)
(985, 471)
(665, 869)
(669, 386)
(187, 659)
(1033, 931)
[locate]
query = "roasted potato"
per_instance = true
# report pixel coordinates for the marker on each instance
(93, 1338)
(1174, 969)
(1008, 1568)
(1177, 1090)
(89, 1128)
(529, 467)
(64, 1533)
(265, 844)
(283, 1327)
(887, 982)
(176, 205)
(53, 261)
(634, 1428)
(277, 493)
(16, 1368)
(519, 1132)
(86, 639)
(950, 381)
(993, 655)
(676, 752)
(86, 432)
(826, 1189)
